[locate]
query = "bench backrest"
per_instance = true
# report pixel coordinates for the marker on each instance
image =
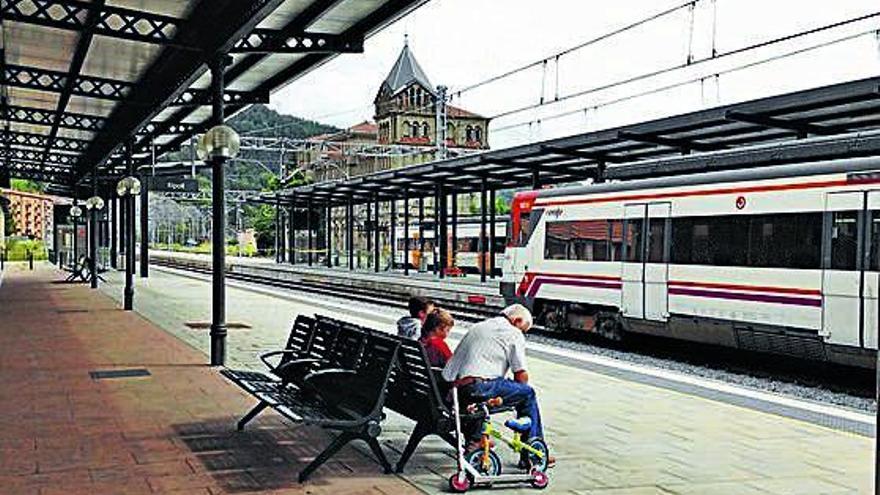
(414, 391)
(300, 338)
(323, 338)
(366, 393)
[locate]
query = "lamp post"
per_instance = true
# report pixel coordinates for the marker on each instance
(216, 146)
(127, 189)
(93, 205)
(75, 213)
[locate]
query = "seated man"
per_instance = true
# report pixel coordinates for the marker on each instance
(411, 326)
(484, 356)
(436, 328)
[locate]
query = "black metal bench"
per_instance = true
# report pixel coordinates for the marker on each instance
(415, 392)
(341, 386)
(302, 334)
(78, 270)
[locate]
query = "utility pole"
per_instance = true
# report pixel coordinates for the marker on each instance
(440, 122)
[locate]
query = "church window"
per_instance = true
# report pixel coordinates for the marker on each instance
(425, 129)
(469, 134)
(478, 134)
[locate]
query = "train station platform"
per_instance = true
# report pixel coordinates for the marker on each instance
(94, 400)
(465, 290)
(69, 426)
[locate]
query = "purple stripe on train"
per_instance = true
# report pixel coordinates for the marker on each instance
(738, 296)
(572, 282)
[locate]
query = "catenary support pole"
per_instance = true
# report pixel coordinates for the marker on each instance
(293, 227)
(483, 238)
(406, 231)
(218, 231)
(145, 227)
(278, 232)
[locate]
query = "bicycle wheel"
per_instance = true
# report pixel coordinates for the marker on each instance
(492, 467)
(538, 463)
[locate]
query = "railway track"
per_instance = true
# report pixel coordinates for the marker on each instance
(465, 311)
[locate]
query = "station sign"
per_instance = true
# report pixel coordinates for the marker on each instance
(173, 184)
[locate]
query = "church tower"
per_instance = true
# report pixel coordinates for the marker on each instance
(405, 107)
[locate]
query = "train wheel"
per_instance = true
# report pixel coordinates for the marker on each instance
(609, 327)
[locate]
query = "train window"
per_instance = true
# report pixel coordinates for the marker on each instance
(633, 246)
(615, 240)
(844, 240)
(874, 246)
(787, 241)
(581, 240)
(657, 240)
(768, 241)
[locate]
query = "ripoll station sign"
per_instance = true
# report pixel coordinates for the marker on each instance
(173, 184)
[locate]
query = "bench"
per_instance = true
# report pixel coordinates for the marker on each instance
(339, 385)
(78, 270)
(414, 392)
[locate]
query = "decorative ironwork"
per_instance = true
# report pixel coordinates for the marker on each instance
(116, 22)
(37, 156)
(272, 41)
(61, 144)
(69, 120)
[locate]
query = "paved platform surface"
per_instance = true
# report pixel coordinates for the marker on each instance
(610, 435)
(64, 432)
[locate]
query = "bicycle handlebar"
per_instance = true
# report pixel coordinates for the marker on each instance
(493, 402)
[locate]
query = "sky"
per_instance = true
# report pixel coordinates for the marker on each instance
(462, 42)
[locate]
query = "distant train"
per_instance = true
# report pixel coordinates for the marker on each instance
(467, 256)
(783, 259)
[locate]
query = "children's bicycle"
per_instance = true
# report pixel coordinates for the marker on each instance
(482, 465)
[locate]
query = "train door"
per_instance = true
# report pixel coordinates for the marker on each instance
(850, 278)
(633, 271)
(657, 261)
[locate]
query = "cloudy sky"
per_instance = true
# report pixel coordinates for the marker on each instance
(462, 42)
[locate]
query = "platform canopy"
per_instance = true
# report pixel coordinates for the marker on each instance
(837, 121)
(81, 78)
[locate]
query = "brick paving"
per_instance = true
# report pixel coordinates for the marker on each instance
(63, 432)
(610, 436)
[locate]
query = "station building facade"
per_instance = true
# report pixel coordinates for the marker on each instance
(32, 213)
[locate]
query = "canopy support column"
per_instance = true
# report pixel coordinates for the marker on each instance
(114, 228)
(128, 200)
(454, 238)
(443, 238)
(145, 228)
(93, 236)
(309, 246)
(392, 232)
(492, 232)
(406, 231)
(377, 239)
(421, 232)
(218, 232)
(349, 234)
(483, 246)
(329, 235)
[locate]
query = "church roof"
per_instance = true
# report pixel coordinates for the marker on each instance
(405, 71)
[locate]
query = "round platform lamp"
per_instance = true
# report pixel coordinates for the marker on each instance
(93, 205)
(219, 144)
(75, 213)
(127, 188)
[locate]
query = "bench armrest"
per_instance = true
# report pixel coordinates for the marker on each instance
(265, 357)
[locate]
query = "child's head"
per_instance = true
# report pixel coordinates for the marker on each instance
(438, 324)
(419, 307)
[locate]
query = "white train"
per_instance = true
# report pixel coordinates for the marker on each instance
(467, 256)
(783, 259)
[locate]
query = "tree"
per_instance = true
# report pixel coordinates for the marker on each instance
(25, 185)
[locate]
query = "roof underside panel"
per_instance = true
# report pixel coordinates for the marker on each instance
(83, 77)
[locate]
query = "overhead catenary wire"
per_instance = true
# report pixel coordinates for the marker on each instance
(691, 80)
(676, 67)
